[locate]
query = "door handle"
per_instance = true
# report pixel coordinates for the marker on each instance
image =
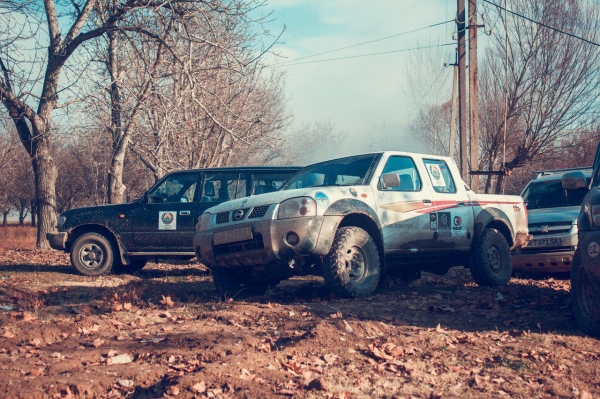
(426, 201)
(460, 202)
(184, 213)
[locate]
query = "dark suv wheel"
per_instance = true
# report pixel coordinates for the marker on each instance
(92, 254)
(585, 298)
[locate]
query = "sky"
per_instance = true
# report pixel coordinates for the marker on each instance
(359, 95)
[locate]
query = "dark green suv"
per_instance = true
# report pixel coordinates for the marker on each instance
(585, 272)
(104, 238)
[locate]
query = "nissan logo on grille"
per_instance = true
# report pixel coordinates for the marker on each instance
(238, 215)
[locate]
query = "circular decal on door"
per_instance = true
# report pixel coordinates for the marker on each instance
(167, 218)
(593, 249)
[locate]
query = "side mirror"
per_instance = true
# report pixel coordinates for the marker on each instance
(389, 180)
(574, 180)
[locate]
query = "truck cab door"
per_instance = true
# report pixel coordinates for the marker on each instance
(451, 207)
(403, 207)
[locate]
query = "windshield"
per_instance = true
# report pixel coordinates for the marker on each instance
(551, 194)
(349, 171)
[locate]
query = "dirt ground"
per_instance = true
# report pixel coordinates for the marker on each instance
(163, 332)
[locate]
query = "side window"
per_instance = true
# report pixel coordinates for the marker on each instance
(175, 188)
(225, 186)
(400, 174)
(440, 176)
(268, 182)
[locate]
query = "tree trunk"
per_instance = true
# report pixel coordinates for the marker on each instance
(44, 170)
(5, 218)
(116, 188)
(33, 213)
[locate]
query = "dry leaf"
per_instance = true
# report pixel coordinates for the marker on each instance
(337, 315)
(330, 358)
(199, 387)
(98, 343)
(7, 334)
(120, 359)
(173, 390)
(166, 300)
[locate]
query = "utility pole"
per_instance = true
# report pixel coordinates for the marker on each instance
(462, 89)
(453, 113)
(473, 92)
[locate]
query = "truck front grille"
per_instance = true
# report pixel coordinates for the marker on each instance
(230, 216)
(241, 246)
(550, 228)
(545, 250)
(223, 217)
(258, 212)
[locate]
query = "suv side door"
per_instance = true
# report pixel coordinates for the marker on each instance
(166, 223)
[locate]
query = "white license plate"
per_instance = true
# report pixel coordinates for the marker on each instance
(228, 236)
(545, 242)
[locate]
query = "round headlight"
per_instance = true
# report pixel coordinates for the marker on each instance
(60, 220)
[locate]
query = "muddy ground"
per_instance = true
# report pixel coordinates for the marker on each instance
(163, 332)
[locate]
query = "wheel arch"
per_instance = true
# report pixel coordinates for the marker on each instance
(94, 228)
(497, 219)
(358, 214)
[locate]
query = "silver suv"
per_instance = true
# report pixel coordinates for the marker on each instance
(553, 204)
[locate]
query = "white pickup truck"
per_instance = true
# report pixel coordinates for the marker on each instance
(352, 219)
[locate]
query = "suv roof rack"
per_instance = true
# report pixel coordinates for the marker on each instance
(548, 172)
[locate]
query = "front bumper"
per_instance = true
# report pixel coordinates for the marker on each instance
(269, 244)
(549, 262)
(57, 240)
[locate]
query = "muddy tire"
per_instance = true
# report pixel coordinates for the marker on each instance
(585, 298)
(230, 285)
(93, 254)
(352, 268)
(490, 260)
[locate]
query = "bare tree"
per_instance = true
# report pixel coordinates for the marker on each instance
(553, 80)
(54, 46)
(311, 142)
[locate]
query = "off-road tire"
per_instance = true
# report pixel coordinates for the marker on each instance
(490, 260)
(585, 298)
(229, 284)
(135, 265)
(93, 254)
(352, 268)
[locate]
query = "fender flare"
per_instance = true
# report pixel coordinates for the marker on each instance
(488, 216)
(100, 228)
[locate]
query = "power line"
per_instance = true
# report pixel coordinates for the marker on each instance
(542, 24)
(367, 55)
(369, 42)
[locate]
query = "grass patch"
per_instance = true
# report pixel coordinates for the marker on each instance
(517, 365)
(17, 237)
